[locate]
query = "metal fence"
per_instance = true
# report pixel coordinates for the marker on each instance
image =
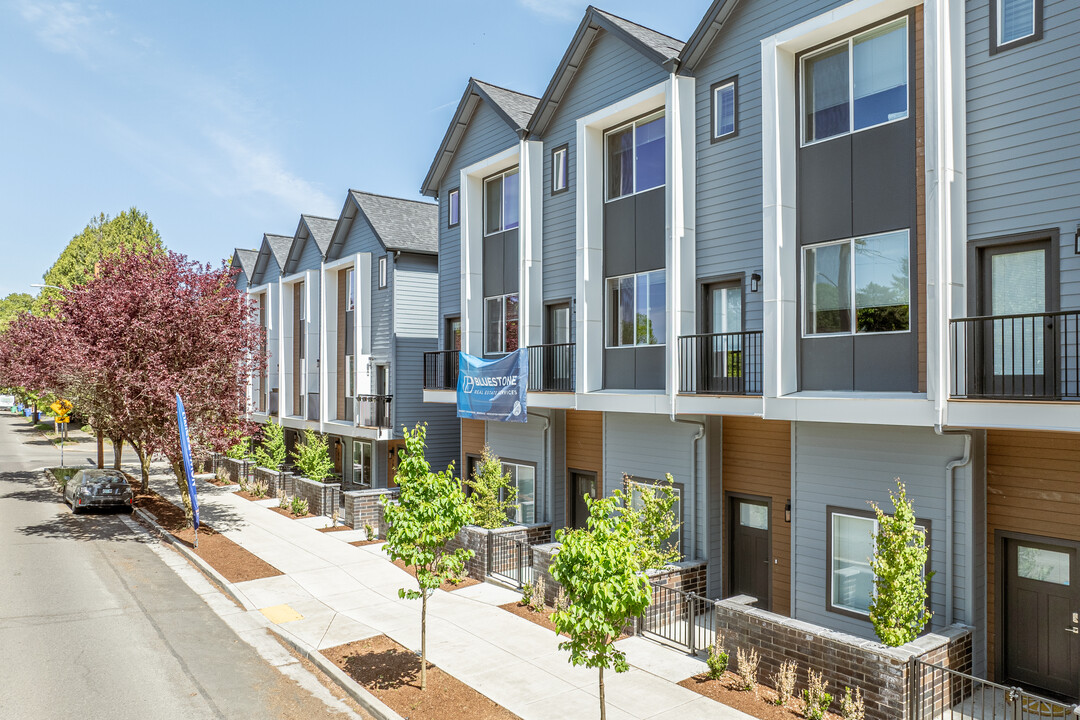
(373, 410)
(680, 618)
(939, 693)
(551, 368)
(721, 363)
(441, 370)
(509, 559)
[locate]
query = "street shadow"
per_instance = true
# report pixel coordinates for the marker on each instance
(38, 494)
(104, 525)
(386, 670)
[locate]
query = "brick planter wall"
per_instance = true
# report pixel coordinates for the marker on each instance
(275, 482)
(542, 555)
(845, 660)
(322, 498)
(234, 470)
(363, 507)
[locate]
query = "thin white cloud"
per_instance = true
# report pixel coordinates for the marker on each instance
(557, 9)
(66, 27)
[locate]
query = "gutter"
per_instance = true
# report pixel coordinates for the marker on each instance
(950, 481)
(693, 467)
(547, 464)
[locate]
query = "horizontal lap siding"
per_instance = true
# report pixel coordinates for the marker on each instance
(416, 281)
(524, 442)
(382, 311)
(848, 466)
(1032, 486)
(361, 239)
(1023, 166)
(757, 461)
(409, 407)
(611, 71)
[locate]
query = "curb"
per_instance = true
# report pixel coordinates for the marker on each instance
(355, 690)
(226, 586)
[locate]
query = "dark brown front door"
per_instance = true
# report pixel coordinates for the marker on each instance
(581, 484)
(748, 557)
(1041, 621)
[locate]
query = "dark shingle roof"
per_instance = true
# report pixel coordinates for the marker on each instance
(665, 45)
(322, 230)
(279, 245)
(246, 260)
(409, 225)
(517, 106)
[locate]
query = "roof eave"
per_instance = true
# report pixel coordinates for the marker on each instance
(706, 31)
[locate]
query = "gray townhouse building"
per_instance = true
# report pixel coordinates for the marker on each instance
(346, 304)
(818, 247)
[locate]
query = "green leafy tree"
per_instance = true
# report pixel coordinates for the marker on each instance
(492, 493)
(600, 570)
(898, 609)
(649, 511)
(13, 306)
(429, 512)
(270, 453)
(312, 457)
(239, 447)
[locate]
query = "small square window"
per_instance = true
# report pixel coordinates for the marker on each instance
(382, 272)
(725, 110)
(1014, 22)
(559, 169)
(453, 201)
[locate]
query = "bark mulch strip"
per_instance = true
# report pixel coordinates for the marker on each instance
(248, 496)
(392, 673)
(219, 483)
(542, 618)
(234, 562)
(362, 543)
(447, 586)
(288, 513)
(762, 706)
(336, 528)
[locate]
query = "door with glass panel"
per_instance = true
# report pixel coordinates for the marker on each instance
(556, 360)
(1041, 616)
(722, 360)
(581, 484)
(1014, 342)
(749, 563)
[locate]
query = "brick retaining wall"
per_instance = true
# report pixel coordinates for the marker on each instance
(363, 507)
(322, 498)
(278, 483)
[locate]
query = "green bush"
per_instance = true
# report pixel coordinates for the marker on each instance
(491, 494)
(718, 658)
(898, 608)
(312, 457)
(271, 452)
(299, 506)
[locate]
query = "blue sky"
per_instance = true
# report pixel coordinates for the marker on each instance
(224, 120)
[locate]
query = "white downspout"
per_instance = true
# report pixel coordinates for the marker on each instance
(950, 468)
(549, 510)
(693, 467)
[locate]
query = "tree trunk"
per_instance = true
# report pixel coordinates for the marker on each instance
(118, 451)
(144, 467)
(423, 640)
(603, 707)
(181, 483)
(100, 450)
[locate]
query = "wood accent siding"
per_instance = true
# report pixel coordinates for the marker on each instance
(757, 461)
(473, 439)
(342, 289)
(585, 442)
(1033, 487)
(920, 202)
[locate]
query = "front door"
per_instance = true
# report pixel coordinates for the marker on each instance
(557, 357)
(581, 484)
(1014, 341)
(1042, 617)
(722, 357)
(749, 556)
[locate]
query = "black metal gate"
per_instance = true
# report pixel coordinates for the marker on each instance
(509, 560)
(938, 692)
(680, 618)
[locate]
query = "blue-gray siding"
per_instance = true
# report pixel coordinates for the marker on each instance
(524, 442)
(310, 257)
(416, 283)
(409, 408)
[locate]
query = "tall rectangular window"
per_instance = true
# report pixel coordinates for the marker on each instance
(523, 478)
(864, 279)
(350, 377)
(858, 83)
(382, 272)
(501, 324)
(637, 309)
(724, 108)
(559, 169)
(453, 202)
(361, 470)
(350, 290)
(501, 202)
(635, 156)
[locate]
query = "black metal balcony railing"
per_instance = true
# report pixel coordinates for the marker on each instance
(720, 363)
(441, 370)
(374, 410)
(551, 368)
(1031, 356)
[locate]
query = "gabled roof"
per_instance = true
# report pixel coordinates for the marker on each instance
(274, 248)
(399, 224)
(311, 228)
(661, 49)
(279, 245)
(245, 260)
(513, 107)
(706, 32)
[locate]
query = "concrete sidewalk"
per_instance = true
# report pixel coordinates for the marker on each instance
(346, 593)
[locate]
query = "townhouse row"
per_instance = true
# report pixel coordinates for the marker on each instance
(814, 248)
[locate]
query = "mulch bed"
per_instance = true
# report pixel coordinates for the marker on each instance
(336, 528)
(288, 513)
(541, 618)
(392, 673)
(234, 562)
(248, 496)
(762, 706)
(362, 543)
(219, 483)
(447, 586)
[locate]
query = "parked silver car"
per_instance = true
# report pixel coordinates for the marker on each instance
(98, 489)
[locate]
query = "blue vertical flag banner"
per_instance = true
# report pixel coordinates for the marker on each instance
(493, 389)
(185, 447)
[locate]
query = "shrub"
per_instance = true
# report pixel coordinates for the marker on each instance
(526, 594)
(259, 489)
(852, 708)
(561, 603)
(815, 700)
(649, 511)
(491, 493)
(271, 452)
(299, 506)
(718, 658)
(312, 457)
(539, 589)
(241, 449)
(898, 608)
(784, 681)
(747, 669)
(283, 503)
(369, 532)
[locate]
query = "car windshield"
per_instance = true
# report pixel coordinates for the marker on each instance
(98, 478)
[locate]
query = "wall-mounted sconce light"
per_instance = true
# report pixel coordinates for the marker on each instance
(1076, 241)
(755, 283)
(787, 512)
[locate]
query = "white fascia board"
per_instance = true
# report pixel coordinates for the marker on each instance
(589, 248)
(552, 400)
(442, 397)
(1048, 416)
(745, 406)
(648, 403)
(915, 410)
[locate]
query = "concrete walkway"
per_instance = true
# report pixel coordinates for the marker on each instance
(346, 593)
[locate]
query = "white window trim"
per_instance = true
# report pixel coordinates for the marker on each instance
(850, 42)
(832, 560)
(451, 197)
(560, 158)
(851, 270)
(717, 135)
(607, 315)
(502, 200)
(502, 323)
(633, 172)
(516, 511)
(383, 273)
(1000, 10)
(350, 289)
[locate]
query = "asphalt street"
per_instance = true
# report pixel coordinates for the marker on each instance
(93, 624)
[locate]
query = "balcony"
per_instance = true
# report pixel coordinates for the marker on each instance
(373, 411)
(720, 363)
(441, 370)
(551, 368)
(1033, 356)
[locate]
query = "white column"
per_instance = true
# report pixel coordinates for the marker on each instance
(530, 237)
(680, 194)
(472, 264)
(589, 258)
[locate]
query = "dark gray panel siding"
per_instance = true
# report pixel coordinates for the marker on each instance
(610, 72)
(487, 135)
(1023, 164)
(409, 408)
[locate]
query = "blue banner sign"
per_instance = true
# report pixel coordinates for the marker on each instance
(493, 389)
(185, 448)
